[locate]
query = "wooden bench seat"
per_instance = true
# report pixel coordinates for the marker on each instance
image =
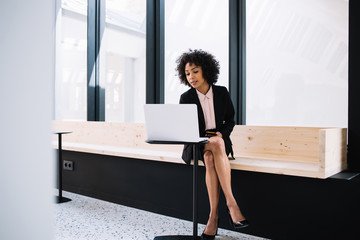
(299, 151)
(115, 139)
(148, 154)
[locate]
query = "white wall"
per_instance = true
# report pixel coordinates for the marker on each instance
(26, 158)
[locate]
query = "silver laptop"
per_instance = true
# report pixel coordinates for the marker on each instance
(172, 123)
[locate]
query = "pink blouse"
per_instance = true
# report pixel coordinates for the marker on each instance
(207, 105)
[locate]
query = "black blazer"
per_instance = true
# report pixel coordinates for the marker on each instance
(224, 117)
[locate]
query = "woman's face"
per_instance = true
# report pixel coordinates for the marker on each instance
(194, 76)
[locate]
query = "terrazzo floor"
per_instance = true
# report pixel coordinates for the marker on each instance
(86, 218)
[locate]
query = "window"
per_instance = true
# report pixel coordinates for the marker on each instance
(122, 60)
(200, 24)
(71, 60)
(297, 62)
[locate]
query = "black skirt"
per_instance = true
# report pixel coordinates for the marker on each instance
(187, 154)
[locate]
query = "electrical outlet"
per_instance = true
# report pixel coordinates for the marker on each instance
(68, 165)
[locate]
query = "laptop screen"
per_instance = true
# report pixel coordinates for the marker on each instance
(172, 122)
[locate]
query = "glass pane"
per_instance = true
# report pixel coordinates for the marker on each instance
(71, 61)
(122, 60)
(200, 24)
(297, 62)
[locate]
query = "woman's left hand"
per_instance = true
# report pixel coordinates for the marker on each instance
(219, 134)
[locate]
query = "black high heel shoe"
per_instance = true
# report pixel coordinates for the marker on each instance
(239, 224)
(205, 236)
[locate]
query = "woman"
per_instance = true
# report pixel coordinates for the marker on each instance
(199, 70)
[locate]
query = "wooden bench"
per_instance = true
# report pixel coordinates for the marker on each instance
(298, 151)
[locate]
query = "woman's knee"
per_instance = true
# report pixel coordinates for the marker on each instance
(218, 143)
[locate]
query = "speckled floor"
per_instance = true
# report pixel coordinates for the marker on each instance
(87, 218)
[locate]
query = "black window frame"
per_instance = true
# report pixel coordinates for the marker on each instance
(237, 58)
(155, 49)
(95, 90)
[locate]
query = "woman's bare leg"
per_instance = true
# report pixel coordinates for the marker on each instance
(222, 167)
(213, 188)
